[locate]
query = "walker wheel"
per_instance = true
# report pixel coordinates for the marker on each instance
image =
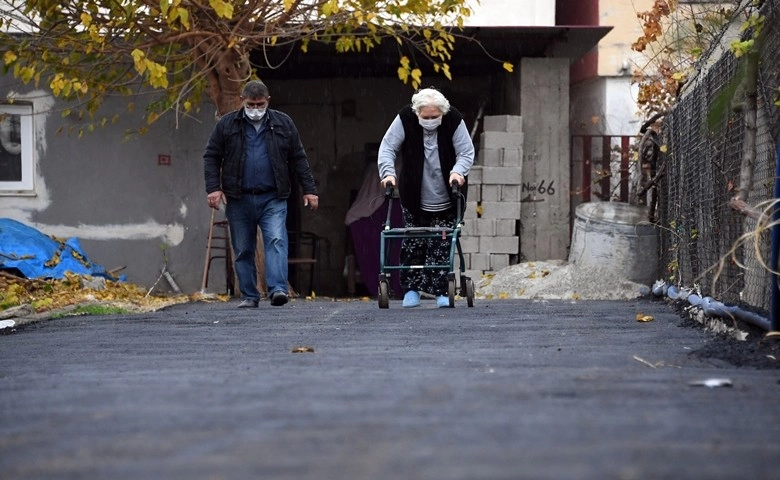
(469, 292)
(451, 292)
(384, 295)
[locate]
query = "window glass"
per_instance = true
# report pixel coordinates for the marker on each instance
(16, 148)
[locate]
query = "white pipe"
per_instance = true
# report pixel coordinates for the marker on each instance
(710, 306)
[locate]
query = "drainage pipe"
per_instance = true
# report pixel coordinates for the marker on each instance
(710, 306)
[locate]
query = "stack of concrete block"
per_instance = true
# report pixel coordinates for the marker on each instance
(490, 234)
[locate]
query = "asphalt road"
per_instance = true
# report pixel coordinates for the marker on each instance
(509, 389)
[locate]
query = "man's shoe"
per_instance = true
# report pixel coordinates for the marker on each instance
(248, 303)
(443, 301)
(411, 299)
(278, 299)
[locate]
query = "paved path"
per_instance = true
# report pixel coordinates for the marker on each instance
(509, 389)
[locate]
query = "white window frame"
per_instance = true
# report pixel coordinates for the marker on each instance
(25, 186)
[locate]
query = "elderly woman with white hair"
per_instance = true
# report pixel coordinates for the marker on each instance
(436, 149)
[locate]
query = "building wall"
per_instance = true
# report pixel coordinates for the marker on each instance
(505, 13)
(615, 55)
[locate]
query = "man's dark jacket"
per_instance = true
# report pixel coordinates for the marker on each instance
(225, 155)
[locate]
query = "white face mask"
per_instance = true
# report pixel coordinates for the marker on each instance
(255, 114)
(430, 124)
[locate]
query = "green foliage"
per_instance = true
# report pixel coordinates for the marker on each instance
(748, 50)
(85, 51)
(92, 310)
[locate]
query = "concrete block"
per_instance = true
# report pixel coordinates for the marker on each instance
(502, 123)
(485, 227)
(505, 227)
(498, 140)
(509, 245)
(480, 261)
(498, 261)
(474, 275)
(469, 244)
(475, 193)
(511, 193)
(512, 157)
(491, 193)
(501, 210)
(471, 209)
(475, 175)
(502, 175)
(489, 157)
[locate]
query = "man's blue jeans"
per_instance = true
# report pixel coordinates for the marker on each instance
(244, 215)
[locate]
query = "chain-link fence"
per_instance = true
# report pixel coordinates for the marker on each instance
(706, 243)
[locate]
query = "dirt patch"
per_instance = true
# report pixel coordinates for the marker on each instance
(756, 349)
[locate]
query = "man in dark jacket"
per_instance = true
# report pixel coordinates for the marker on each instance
(252, 157)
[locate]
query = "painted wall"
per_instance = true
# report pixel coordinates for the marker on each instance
(615, 54)
(505, 13)
(605, 103)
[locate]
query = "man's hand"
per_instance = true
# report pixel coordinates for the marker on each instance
(388, 180)
(458, 178)
(216, 199)
(311, 201)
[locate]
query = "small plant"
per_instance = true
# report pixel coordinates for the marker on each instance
(92, 310)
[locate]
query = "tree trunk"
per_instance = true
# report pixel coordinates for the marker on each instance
(228, 69)
(750, 116)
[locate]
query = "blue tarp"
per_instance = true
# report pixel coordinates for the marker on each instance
(36, 255)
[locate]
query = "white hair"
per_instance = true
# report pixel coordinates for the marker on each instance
(430, 97)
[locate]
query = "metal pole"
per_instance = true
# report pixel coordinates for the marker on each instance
(774, 309)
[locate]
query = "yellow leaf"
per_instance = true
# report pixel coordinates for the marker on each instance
(641, 317)
(138, 60)
(222, 8)
(446, 69)
(663, 148)
(509, 67)
(403, 74)
(416, 74)
(9, 57)
(86, 19)
(184, 17)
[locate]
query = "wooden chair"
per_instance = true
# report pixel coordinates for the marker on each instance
(218, 247)
(305, 252)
